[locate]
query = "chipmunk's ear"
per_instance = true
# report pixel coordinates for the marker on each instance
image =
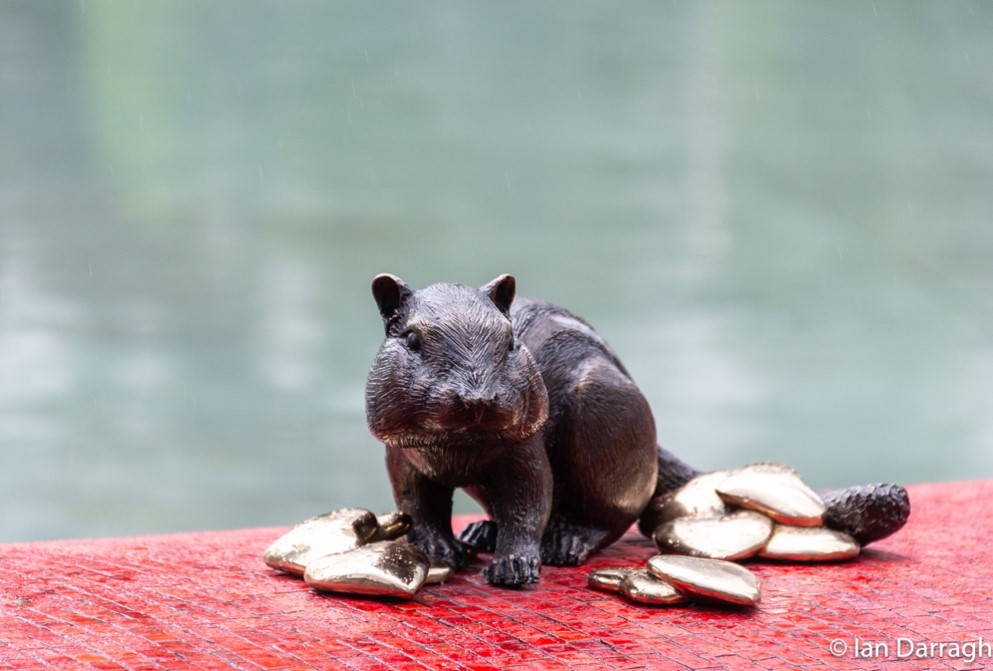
(390, 293)
(501, 291)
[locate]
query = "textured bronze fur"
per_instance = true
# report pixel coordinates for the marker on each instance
(524, 406)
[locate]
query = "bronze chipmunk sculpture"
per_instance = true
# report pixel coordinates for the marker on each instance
(523, 405)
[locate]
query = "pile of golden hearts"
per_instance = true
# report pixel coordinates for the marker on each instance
(762, 510)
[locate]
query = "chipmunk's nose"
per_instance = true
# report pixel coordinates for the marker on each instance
(477, 403)
(479, 399)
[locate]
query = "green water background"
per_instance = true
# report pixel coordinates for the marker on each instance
(779, 214)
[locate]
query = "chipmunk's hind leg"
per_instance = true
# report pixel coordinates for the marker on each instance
(480, 535)
(567, 544)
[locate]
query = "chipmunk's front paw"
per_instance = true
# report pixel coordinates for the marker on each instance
(513, 570)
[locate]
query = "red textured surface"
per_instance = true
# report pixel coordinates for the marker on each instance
(206, 601)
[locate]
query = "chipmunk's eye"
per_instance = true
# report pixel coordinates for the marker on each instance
(512, 346)
(413, 341)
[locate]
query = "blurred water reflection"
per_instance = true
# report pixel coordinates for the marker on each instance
(778, 213)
